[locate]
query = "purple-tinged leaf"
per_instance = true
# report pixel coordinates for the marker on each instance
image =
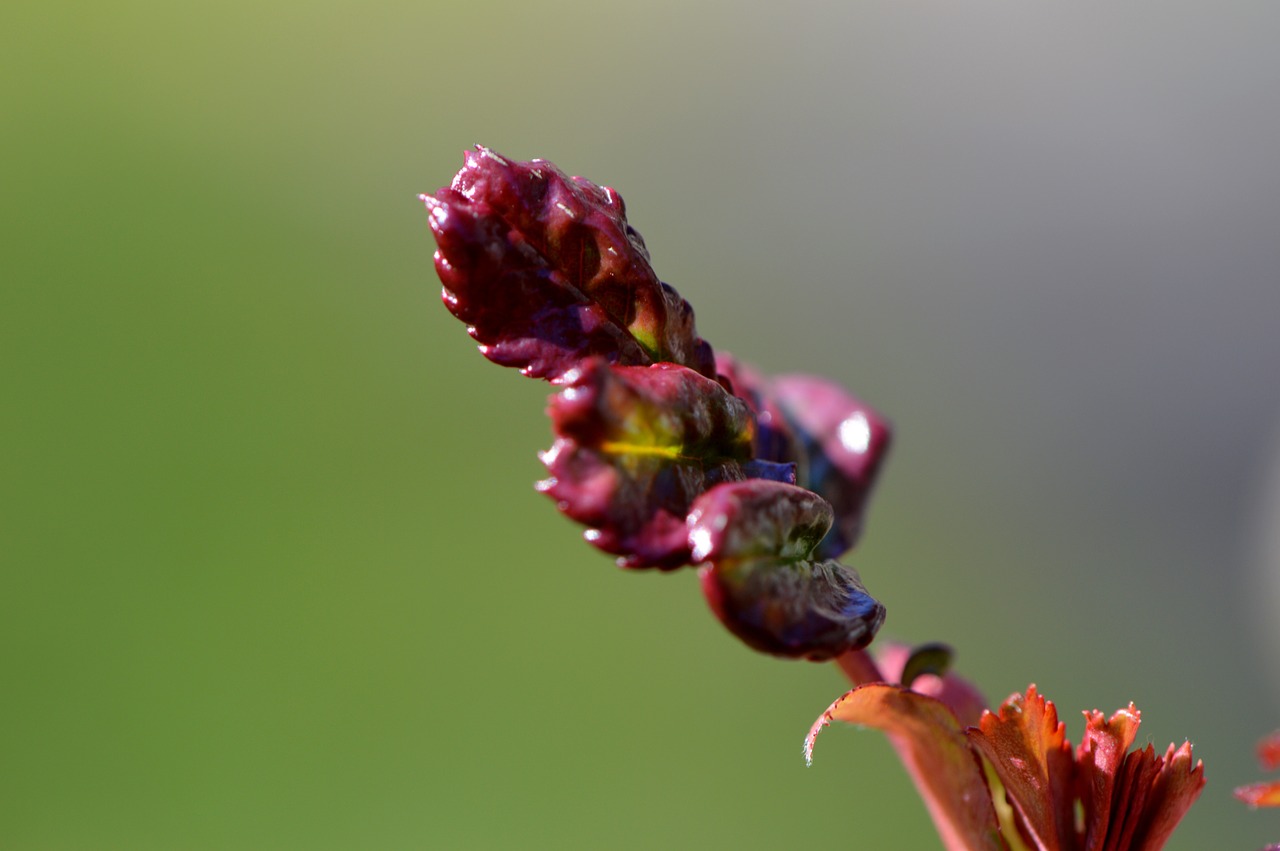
(546, 271)
(804, 609)
(757, 538)
(936, 754)
(775, 440)
(837, 442)
(757, 518)
(635, 447)
(843, 443)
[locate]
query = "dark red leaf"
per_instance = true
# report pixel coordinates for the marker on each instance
(761, 581)
(757, 518)
(802, 609)
(546, 271)
(837, 442)
(635, 447)
(843, 443)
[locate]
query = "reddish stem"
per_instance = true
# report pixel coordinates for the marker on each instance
(859, 667)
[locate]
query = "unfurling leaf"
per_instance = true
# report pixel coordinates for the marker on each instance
(551, 278)
(1131, 799)
(926, 670)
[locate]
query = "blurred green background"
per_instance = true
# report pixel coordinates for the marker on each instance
(274, 576)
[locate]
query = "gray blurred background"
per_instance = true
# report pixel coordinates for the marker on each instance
(274, 574)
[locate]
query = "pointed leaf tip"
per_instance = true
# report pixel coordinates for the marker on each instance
(935, 753)
(1026, 746)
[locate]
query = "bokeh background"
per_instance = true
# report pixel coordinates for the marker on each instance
(274, 576)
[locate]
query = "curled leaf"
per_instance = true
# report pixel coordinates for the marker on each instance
(805, 609)
(546, 271)
(1179, 779)
(926, 669)
(936, 754)
(757, 518)
(760, 579)
(635, 447)
(775, 439)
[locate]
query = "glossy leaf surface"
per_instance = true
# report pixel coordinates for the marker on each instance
(761, 579)
(806, 609)
(757, 518)
(546, 271)
(843, 443)
(905, 665)
(837, 442)
(635, 447)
